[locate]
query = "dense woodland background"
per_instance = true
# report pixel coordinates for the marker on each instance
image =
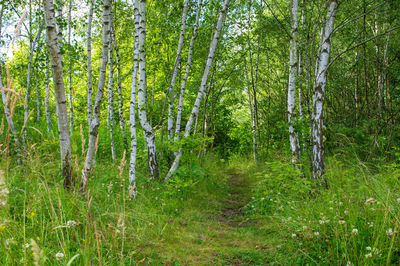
(306, 150)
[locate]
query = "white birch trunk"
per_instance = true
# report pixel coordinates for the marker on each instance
(37, 100)
(111, 97)
(187, 72)
(148, 130)
(293, 135)
(89, 62)
(132, 111)
(95, 123)
(120, 98)
(59, 89)
(171, 93)
(319, 96)
(196, 106)
(71, 108)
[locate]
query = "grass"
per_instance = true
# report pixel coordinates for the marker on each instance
(214, 212)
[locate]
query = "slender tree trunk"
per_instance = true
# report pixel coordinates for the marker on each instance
(71, 107)
(59, 23)
(111, 96)
(89, 62)
(37, 100)
(187, 72)
(293, 135)
(171, 89)
(196, 106)
(95, 123)
(120, 98)
(132, 113)
(319, 95)
(142, 91)
(28, 79)
(59, 89)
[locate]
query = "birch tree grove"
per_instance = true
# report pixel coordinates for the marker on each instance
(95, 122)
(293, 135)
(171, 90)
(196, 106)
(142, 90)
(319, 95)
(59, 90)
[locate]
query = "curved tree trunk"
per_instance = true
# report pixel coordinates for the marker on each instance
(95, 123)
(59, 90)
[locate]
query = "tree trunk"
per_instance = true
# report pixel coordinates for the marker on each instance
(37, 100)
(196, 106)
(171, 94)
(142, 91)
(95, 123)
(293, 135)
(120, 99)
(319, 96)
(47, 98)
(111, 96)
(59, 89)
(89, 61)
(71, 108)
(132, 111)
(187, 72)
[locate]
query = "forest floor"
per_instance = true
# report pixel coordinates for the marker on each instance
(223, 237)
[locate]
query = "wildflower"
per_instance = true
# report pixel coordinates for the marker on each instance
(369, 255)
(346, 212)
(321, 222)
(316, 233)
(372, 209)
(349, 263)
(368, 248)
(389, 232)
(26, 245)
(342, 221)
(71, 223)
(355, 231)
(371, 224)
(60, 256)
(330, 208)
(262, 199)
(340, 203)
(398, 200)
(2, 227)
(294, 235)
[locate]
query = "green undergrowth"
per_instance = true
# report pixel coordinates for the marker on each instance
(354, 222)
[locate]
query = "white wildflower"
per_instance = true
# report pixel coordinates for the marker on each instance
(342, 221)
(369, 255)
(71, 223)
(60, 256)
(294, 235)
(368, 248)
(355, 231)
(316, 233)
(389, 232)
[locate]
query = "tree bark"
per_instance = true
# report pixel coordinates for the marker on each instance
(47, 98)
(89, 62)
(293, 135)
(111, 96)
(171, 94)
(318, 166)
(95, 123)
(187, 72)
(196, 106)
(71, 107)
(59, 89)
(142, 91)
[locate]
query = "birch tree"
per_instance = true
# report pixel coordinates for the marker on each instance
(171, 93)
(187, 72)
(319, 95)
(71, 108)
(89, 61)
(132, 111)
(142, 91)
(59, 89)
(293, 135)
(111, 96)
(95, 122)
(195, 110)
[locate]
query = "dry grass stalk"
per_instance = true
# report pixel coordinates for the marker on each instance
(3, 190)
(122, 165)
(25, 122)
(82, 140)
(37, 253)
